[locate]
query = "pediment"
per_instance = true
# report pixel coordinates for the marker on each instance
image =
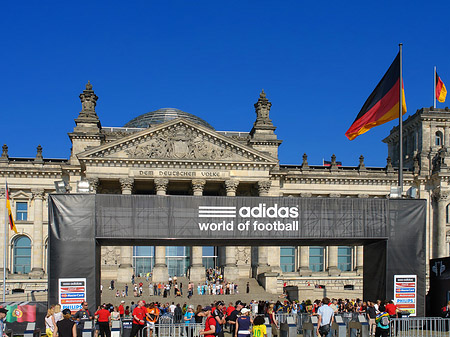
(177, 140)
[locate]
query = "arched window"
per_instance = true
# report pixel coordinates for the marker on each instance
(439, 139)
(21, 255)
(143, 259)
(287, 259)
(345, 258)
(316, 258)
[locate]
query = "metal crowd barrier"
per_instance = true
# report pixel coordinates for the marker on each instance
(174, 330)
(420, 327)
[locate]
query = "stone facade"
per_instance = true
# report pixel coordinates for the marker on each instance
(181, 156)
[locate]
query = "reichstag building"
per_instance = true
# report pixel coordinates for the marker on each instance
(171, 152)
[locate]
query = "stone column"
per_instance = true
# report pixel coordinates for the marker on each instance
(441, 198)
(160, 271)
(333, 261)
(38, 270)
(304, 261)
(197, 270)
(359, 259)
(264, 187)
(161, 186)
(2, 231)
(94, 182)
(126, 252)
(231, 271)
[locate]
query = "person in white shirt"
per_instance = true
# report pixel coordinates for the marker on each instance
(325, 318)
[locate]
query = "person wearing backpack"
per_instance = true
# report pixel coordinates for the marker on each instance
(383, 322)
(210, 324)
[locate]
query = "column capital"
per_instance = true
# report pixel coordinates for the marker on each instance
(440, 195)
(264, 187)
(94, 182)
(126, 184)
(231, 187)
(161, 186)
(198, 185)
(37, 193)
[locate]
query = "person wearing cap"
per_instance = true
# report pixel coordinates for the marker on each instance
(66, 327)
(210, 324)
(3, 313)
(243, 324)
(138, 315)
(220, 318)
(189, 319)
(233, 317)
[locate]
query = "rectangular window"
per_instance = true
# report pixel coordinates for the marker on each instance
(21, 211)
(316, 258)
(345, 258)
(287, 259)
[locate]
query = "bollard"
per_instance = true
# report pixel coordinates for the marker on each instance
(364, 326)
(115, 329)
(339, 326)
(268, 327)
(87, 329)
(292, 327)
(126, 327)
(32, 331)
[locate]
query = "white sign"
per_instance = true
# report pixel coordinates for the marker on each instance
(72, 292)
(405, 293)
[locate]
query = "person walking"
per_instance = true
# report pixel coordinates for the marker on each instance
(273, 320)
(325, 318)
(81, 316)
(383, 322)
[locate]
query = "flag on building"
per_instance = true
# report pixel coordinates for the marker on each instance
(441, 90)
(8, 208)
(382, 105)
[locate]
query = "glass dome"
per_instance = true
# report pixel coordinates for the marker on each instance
(163, 115)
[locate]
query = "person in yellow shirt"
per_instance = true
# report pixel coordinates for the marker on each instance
(259, 328)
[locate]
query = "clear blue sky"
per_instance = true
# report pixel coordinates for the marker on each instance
(318, 61)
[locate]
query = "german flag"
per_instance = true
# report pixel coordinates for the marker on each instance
(8, 207)
(441, 91)
(382, 105)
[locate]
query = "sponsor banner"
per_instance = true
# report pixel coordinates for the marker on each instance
(405, 293)
(72, 292)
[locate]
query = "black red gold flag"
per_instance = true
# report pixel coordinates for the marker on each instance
(8, 209)
(382, 105)
(441, 90)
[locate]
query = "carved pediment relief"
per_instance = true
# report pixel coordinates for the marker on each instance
(181, 140)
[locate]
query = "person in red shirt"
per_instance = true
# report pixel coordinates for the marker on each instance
(391, 309)
(210, 324)
(103, 317)
(121, 309)
(139, 314)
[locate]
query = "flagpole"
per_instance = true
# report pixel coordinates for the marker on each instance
(5, 244)
(434, 90)
(400, 117)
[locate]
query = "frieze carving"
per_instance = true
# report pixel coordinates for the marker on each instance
(2, 193)
(243, 255)
(110, 255)
(439, 195)
(181, 143)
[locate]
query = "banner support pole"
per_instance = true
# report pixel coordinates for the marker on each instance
(5, 246)
(400, 117)
(434, 90)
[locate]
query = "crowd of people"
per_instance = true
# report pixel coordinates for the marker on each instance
(240, 319)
